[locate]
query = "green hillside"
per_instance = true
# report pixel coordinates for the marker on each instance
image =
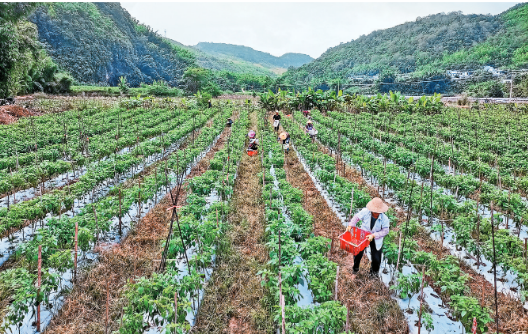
(251, 55)
(99, 42)
(425, 48)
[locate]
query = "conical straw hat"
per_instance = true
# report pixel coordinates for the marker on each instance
(377, 205)
(283, 135)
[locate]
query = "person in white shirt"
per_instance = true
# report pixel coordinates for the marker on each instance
(375, 221)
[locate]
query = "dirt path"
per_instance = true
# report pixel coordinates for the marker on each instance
(372, 308)
(512, 316)
(85, 307)
(234, 300)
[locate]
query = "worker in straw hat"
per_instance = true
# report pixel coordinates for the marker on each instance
(375, 221)
(285, 137)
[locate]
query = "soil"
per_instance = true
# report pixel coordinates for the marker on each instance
(371, 307)
(235, 302)
(11, 113)
(84, 308)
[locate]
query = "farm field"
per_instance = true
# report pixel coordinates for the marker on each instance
(136, 215)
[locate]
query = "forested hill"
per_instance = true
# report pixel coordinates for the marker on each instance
(218, 62)
(425, 48)
(99, 42)
(253, 56)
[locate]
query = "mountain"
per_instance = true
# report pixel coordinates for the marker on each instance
(247, 54)
(217, 62)
(99, 42)
(425, 48)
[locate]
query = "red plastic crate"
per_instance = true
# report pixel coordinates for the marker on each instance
(354, 241)
(252, 153)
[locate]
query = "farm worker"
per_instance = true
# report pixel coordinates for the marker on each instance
(375, 221)
(285, 137)
(253, 144)
(306, 112)
(210, 104)
(276, 120)
(229, 122)
(310, 130)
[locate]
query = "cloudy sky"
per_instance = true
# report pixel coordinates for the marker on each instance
(278, 28)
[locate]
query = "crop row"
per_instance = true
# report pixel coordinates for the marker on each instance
(471, 230)
(57, 200)
(295, 253)
(473, 161)
(96, 148)
(466, 185)
(192, 247)
(445, 273)
(57, 240)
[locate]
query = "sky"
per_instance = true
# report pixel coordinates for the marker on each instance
(277, 28)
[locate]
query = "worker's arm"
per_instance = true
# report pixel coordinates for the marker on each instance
(357, 217)
(385, 223)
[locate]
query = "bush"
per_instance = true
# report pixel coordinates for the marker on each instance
(489, 88)
(123, 85)
(203, 98)
(161, 88)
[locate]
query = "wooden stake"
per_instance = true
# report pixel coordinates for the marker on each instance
(38, 285)
(336, 283)
(494, 271)
(347, 325)
(351, 205)
(75, 254)
(120, 213)
(96, 225)
(216, 217)
(107, 303)
(175, 307)
(399, 252)
(421, 299)
(282, 303)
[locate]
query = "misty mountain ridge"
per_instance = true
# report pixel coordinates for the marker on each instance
(254, 56)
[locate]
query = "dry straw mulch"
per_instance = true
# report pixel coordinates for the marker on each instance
(234, 300)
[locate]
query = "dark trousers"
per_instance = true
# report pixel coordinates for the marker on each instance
(375, 256)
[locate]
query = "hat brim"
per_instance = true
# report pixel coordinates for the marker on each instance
(381, 208)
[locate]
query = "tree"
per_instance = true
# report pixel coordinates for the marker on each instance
(194, 78)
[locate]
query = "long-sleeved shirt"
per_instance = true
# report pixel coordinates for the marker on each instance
(380, 229)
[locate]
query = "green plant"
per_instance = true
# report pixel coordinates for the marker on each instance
(408, 285)
(123, 85)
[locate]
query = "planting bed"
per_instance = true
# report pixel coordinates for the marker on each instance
(179, 230)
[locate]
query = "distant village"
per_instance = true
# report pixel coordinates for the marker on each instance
(452, 74)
